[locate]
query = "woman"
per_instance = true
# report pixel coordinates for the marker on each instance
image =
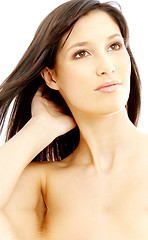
(77, 99)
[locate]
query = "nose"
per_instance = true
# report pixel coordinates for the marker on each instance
(105, 66)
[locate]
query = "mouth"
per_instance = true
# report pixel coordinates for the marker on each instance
(109, 86)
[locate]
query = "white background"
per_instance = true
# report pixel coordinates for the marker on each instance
(20, 19)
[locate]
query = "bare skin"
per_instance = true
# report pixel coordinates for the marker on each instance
(82, 204)
(104, 182)
(75, 195)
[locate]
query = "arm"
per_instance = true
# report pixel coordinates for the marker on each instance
(6, 229)
(16, 154)
(29, 192)
(18, 225)
(47, 123)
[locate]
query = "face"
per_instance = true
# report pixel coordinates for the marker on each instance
(94, 54)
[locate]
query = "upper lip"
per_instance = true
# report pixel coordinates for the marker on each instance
(106, 84)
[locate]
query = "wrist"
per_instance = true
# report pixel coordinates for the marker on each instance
(41, 130)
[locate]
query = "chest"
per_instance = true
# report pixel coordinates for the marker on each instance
(82, 207)
(89, 195)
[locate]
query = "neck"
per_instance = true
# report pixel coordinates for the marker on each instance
(105, 139)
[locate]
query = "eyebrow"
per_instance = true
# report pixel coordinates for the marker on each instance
(87, 43)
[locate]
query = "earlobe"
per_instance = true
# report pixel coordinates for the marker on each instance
(49, 77)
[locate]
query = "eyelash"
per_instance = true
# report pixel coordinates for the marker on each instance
(119, 44)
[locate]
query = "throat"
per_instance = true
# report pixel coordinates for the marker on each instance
(102, 165)
(105, 165)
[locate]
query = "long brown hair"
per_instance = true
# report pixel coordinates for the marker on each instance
(24, 81)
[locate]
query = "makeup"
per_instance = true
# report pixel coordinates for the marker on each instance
(109, 86)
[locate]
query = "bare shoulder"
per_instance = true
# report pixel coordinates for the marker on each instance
(143, 140)
(141, 147)
(58, 170)
(41, 169)
(30, 188)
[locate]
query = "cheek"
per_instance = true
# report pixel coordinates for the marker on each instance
(72, 78)
(69, 82)
(123, 69)
(125, 65)
(77, 85)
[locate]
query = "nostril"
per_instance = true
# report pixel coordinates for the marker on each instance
(109, 70)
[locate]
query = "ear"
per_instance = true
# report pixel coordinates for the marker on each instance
(49, 76)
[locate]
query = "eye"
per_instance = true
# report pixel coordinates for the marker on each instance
(81, 54)
(115, 46)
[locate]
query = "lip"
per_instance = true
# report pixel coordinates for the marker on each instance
(108, 86)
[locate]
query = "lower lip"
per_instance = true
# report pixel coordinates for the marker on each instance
(111, 88)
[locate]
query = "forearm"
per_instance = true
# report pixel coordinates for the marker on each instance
(17, 153)
(6, 229)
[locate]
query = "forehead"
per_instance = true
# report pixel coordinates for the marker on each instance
(95, 25)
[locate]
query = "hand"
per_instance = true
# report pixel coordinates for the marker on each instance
(50, 114)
